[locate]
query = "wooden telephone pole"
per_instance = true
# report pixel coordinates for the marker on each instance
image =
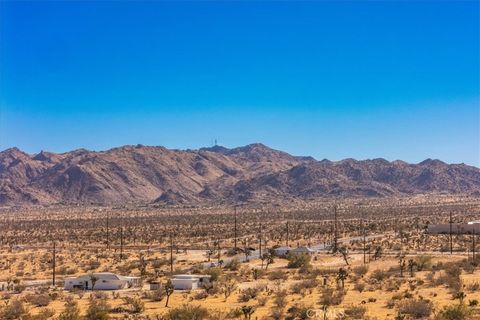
(54, 263)
(260, 239)
(473, 244)
(364, 240)
(235, 229)
(121, 243)
(287, 233)
(451, 236)
(171, 253)
(335, 230)
(108, 232)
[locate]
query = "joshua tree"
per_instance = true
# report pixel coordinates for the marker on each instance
(143, 265)
(268, 257)
(411, 265)
(342, 276)
(228, 285)
(255, 273)
(343, 251)
(460, 296)
(401, 263)
(93, 279)
(378, 253)
(168, 290)
(210, 253)
(246, 249)
(248, 311)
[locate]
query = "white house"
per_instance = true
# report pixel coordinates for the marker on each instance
(104, 281)
(282, 251)
(457, 228)
(189, 281)
(303, 250)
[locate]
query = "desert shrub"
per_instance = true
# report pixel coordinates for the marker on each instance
(391, 285)
(280, 300)
(135, 305)
(249, 293)
(234, 313)
(355, 312)
(474, 286)
(14, 310)
(233, 265)
(187, 312)
(430, 277)
(42, 315)
(360, 271)
(97, 310)
(298, 312)
(378, 275)
(417, 308)
(330, 296)
(277, 275)
(71, 312)
(473, 303)
(155, 295)
(200, 295)
(423, 262)
(451, 278)
(298, 260)
(359, 286)
(257, 273)
(38, 300)
(454, 312)
(262, 301)
(19, 288)
(300, 286)
(214, 273)
(468, 267)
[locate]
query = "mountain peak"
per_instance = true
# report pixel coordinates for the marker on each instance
(432, 162)
(253, 172)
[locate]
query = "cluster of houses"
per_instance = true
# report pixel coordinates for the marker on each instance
(112, 281)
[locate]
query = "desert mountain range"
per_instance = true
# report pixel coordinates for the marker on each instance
(142, 174)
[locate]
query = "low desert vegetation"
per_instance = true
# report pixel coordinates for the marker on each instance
(374, 262)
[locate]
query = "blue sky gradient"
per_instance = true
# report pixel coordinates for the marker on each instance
(399, 80)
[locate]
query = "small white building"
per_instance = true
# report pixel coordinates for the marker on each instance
(282, 251)
(457, 228)
(303, 250)
(104, 281)
(189, 281)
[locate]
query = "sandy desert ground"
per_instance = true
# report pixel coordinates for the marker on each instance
(385, 265)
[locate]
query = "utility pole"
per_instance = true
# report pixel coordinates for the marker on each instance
(364, 240)
(171, 252)
(473, 244)
(260, 238)
(218, 249)
(235, 229)
(287, 233)
(335, 239)
(108, 232)
(54, 262)
(121, 243)
(451, 237)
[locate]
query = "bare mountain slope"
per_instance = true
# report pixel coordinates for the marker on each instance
(251, 173)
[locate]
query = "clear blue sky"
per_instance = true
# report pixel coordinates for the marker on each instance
(398, 80)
